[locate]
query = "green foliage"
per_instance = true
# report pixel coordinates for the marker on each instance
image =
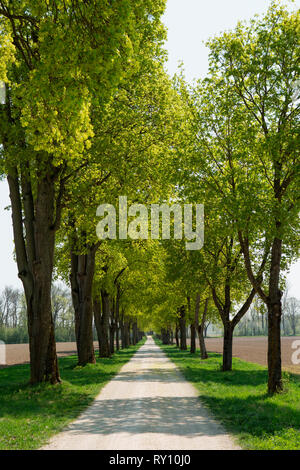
(14, 335)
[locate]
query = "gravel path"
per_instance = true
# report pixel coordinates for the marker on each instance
(148, 405)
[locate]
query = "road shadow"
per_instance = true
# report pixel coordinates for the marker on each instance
(181, 416)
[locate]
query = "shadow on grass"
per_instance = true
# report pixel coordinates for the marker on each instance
(18, 399)
(240, 401)
(195, 369)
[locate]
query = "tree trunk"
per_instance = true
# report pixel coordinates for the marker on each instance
(203, 352)
(134, 333)
(176, 336)
(273, 299)
(274, 350)
(81, 279)
(112, 328)
(104, 350)
(34, 253)
(97, 318)
(193, 339)
(227, 347)
(112, 338)
(274, 320)
(122, 329)
(117, 337)
(201, 326)
(118, 318)
(182, 326)
(126, 334)
(165, 336)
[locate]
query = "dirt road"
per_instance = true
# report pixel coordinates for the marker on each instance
(148, 405)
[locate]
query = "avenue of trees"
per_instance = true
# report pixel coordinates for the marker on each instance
(89, 115)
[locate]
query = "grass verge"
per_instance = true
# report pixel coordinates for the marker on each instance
(30, 415)
(239, 400)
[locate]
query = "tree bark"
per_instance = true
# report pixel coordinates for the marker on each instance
(35, 253)
(118, 318)
(112, 338)
(200, 329)
(122, 329)
(104, 350)
(81, 279)
(126, 334)
(227, 347)
(97, 318)
(176, 336)
(274, 320)
(134, 333)
(112, 328)
(165, 336)
(182, 326)
(193, 339)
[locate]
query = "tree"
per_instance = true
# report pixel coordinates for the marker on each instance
(260, 64)
(55, 64)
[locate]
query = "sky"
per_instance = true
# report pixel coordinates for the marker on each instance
(190, 23)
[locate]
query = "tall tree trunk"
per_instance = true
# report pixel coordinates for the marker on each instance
(112, 328)
(201, 327)
(81, 279)
(274, 320)
(34, 253)
(193, 328)
(203, 351)
(171, 336)
(134, 333)
(112, 338)
(122, 330)
(104, 350)
(274, 350)
(176, 336)
(117, 337)
(118, 318)
(193, 339)
(227, 346)
(126, 334)
(165, 336)
(97, 318)
(182, 326)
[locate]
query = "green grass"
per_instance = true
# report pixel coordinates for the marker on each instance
(239, 400)
(30, 415)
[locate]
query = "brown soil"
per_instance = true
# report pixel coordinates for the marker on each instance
(19, 353)
(251, 349)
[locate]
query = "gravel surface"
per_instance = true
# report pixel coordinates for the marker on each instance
(148, 405)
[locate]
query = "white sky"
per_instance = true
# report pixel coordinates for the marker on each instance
(190, 23)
